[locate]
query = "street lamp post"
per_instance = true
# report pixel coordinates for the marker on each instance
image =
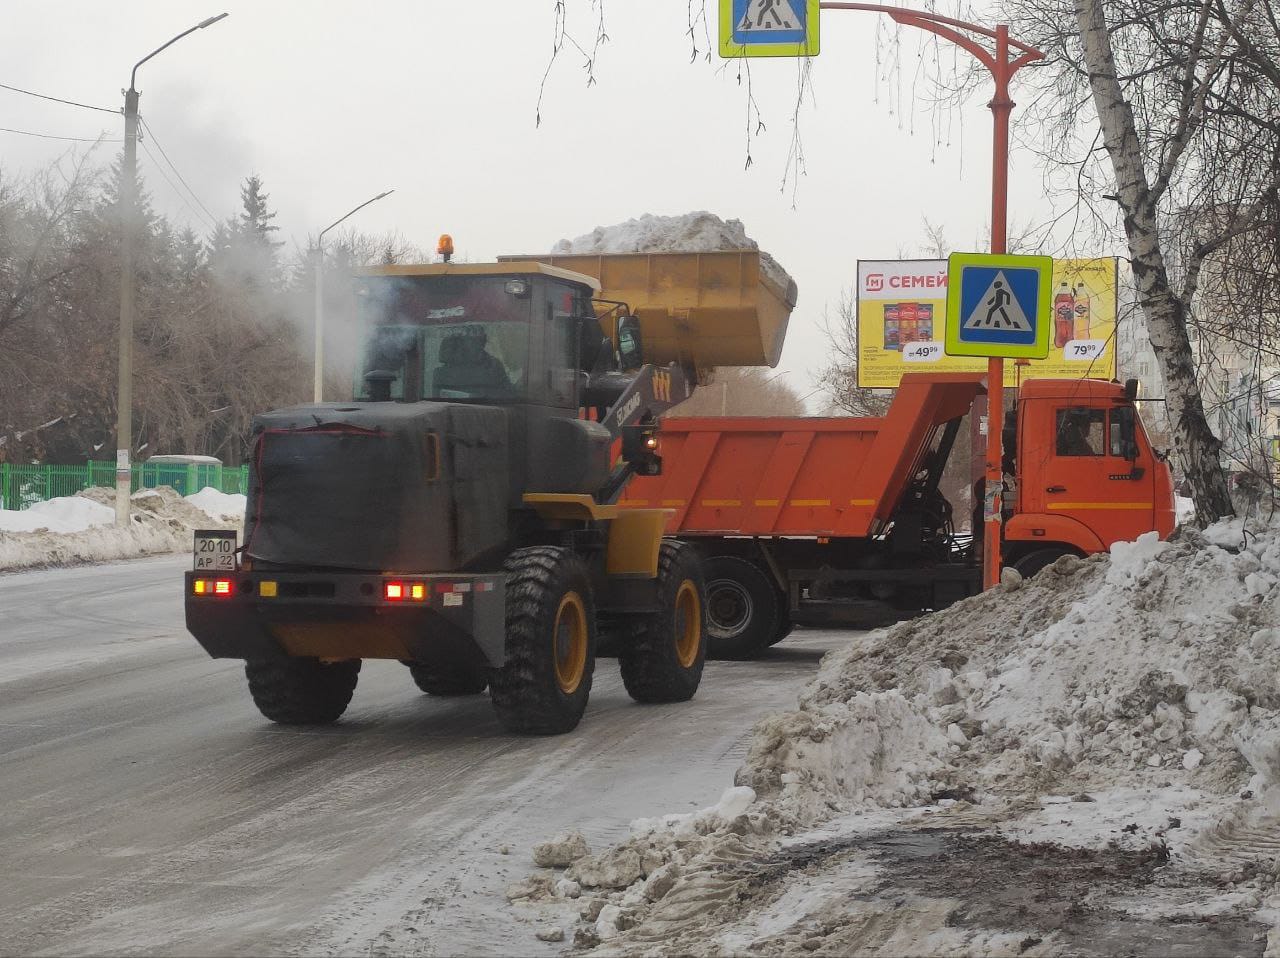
(1002, 68)
(128, 200)
(319, 360)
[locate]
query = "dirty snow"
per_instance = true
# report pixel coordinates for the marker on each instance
(1087, 761)
(71, 530)
(697, 232)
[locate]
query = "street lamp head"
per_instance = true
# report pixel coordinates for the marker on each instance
(211, 21)
(381, 195)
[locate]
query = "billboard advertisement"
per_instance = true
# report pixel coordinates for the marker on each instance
(902, 312)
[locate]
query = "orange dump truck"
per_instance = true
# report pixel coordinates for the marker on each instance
(819, 521)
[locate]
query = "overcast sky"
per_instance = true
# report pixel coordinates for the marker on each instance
(333, 102)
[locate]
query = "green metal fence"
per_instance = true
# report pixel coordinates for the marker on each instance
(23, 485)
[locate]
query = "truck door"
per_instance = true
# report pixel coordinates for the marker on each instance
(1097, 472)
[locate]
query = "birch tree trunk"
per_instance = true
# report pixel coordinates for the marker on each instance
(1165, 311)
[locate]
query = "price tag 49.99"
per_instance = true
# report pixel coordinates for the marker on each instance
(921, 352)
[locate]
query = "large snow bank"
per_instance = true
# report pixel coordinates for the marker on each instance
(81, 528)
(1120, 712)
(697, 232)
(1155, 664)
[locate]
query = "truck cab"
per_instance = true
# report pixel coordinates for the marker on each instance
(1086, 473)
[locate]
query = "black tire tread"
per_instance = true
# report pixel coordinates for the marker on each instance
(650, 670)
(456, 681)
(302, 691)
(524, 690)
(763, 630)
(1033, 562)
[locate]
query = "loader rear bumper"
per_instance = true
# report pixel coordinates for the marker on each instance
(443, 619)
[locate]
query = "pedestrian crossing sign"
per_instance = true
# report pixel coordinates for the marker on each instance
(999, 305)
(768, 28)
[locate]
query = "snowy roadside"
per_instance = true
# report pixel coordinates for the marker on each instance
(1086, 762)
(80, 529)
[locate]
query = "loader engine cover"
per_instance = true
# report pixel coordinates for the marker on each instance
(378, 487)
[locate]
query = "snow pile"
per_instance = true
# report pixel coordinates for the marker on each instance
(1118, 716)
(81, 528)
(1158, 664)
(218, 504)
(65, 514)
(698, 232)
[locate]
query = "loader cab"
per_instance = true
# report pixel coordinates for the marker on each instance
(484, 334)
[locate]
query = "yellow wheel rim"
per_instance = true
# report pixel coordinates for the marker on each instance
(569, 643)
(688, 624)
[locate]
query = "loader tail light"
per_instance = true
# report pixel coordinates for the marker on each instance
(393, 591)
(215, 587)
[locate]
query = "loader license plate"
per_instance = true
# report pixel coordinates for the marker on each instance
(215, 550)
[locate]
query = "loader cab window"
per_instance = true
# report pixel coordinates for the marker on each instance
(1081, 432)
(561, 332)
(448, 338)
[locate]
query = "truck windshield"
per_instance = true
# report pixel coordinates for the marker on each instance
(446, 337)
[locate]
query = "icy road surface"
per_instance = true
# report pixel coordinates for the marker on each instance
(147, 808)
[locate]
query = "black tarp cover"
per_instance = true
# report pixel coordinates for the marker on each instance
(357, 487)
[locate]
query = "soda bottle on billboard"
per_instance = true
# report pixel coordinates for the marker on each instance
(892, 338)
(924, 321)
(1082, 312)
(1064, 316)
(908, 329)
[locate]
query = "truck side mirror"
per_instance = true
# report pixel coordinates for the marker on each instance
(630, 347)
(1125, 442)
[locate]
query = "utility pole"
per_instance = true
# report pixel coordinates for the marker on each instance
(319, 358)
(128, 200)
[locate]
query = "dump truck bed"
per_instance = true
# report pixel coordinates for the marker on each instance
(767, 476)
(699, 309)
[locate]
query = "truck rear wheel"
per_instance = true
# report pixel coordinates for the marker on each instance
(743, 608)
(663, 658)
(302, 691)
(455, 681)
(1033, 562)
(543, 686)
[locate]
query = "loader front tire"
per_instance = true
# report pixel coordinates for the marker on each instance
(662, 659)
(460, 680)
(302, 691)
(544, 683)
(744, 609)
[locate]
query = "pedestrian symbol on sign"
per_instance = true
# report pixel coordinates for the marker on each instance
(769, 15)
(998, 309)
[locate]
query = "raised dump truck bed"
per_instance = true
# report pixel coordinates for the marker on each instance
(757, 476)
(698, 309)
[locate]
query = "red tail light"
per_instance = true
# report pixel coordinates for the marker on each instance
(222, 587)
(394, 591)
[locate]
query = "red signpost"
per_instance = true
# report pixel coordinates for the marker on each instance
(1002, 70)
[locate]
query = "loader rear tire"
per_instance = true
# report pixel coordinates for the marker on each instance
(743, 609)
(447, 682)
(663, 657)
(302, 691)
(543, 685)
